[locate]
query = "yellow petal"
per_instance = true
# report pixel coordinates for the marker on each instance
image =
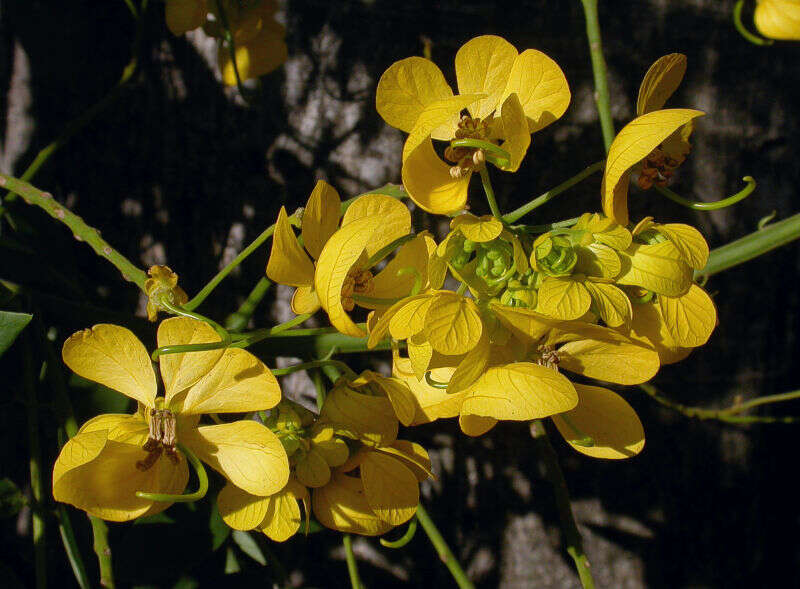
(390, 282)
(342, 505)
(436, 114)
(515, 132)
(778, 19)
(406, 88)
(179, 371)
(471, 367)
(245, 452)
(660, 81)
(184, 15)
(305, 300)
(399, 396)
(631, 145)
(320, 217)
(312, 470)
(266, 53)
(691, 318)
(394, 218)
(475, 425)
(381, 327)
(483, 65)
(100, 477)
(413, 456)
(520, 392)
(525, 322)
(453, 324)
(563, 298)
(391, 489)
(428, 182)
(607, 418)
(642, 226)
(288, 262)
(658, 267)
(360, 417)
(340, 254)
(598, 260)
(409, 319)
(238, 383)
(431, 403)
(620, 362)
(688, 241)
(112, 356)
(480, 229)
(610, 303)
(649, 326)
(239, 509)
(420, 357)
(334, 451)
(283, 514)
(128, 429)
(541, 87)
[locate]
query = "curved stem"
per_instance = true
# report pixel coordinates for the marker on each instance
(698, 205)
(405, 538)
(553, 192)
(244, 340)
(751, 246)
(352, 567)
(737, 22)
(442, 549)
(202, 478)
(239, 319)
(601, 94)
(316, 364)
(487, 188)
(434, 383)
(81, 231)
(553, 473)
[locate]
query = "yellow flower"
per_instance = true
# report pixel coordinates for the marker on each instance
(163, 282)
(778, 19)
(657, 138)
(258, 39)
(113, 456)
(509, 95)
(277, 516)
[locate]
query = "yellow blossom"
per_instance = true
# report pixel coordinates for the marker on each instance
(778, 19)
(113, 456)
(277, 516)
(509, 96)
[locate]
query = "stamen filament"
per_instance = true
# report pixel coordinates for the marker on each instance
(711, 206)
(202, 478)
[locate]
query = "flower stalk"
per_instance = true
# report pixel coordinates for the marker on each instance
(601, 94)
(442, 549)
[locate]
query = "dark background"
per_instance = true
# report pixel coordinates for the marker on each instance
(181, 171)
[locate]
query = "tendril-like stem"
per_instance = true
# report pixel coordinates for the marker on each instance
(202, 478)
(487, 188)
(737, 22)
(711, 206)
(405, 538)
(243, 340)
(434, 383)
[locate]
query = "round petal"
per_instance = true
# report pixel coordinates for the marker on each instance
(428, 182)
(288, 262)
(179, 371)
(483, 65)
(541, 87)
(305, 300)
(658, 267)
(660, 82)
(621, 362)
(342, 505)
(413, 456)
(320, 218)
(112, 356)
(312, 470)
(563, 298)
(245, 452)
(691, 318)
(778, 19)
(452, 324)
(395, 218)
(688, 241)
(481, 229)
(607, 418)
(613, 306)
(648, 325)
(390, 487)
(283, 513)
(431, 403)
(361, 417)
(241, 510)
(406, 88)
(631, 145)
(475, 425)
(435, 115)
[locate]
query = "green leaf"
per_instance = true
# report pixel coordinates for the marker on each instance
(219, 529)
(11, 324)
(249, 546)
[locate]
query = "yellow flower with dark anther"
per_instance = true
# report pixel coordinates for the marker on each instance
(655, 143)
(162, 283)
(257, 37)
(113, 457)
(778, 19)
(509, 95)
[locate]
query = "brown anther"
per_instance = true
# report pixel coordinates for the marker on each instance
(357, 281)
(161, 438)
(657, 169)
(548, 357)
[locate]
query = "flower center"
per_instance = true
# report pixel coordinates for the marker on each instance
(357, 282)
(160, 439)
(468, 158)
(657, 168)
(548, 357)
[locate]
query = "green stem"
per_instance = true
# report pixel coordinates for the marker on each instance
(751, 246)
(405, 538)
(554, 474)
(553, 192)
(601, 94)
(238, 320)
(247, 339)
(699, 205)
(80, 229)
(546, 227)
(737, 22)
(319, 386)
(225, 337)
(71, 548)
(202, 478)
(103, 551)
(352, 567)
(442, 549)
(229, 41)
(35, 466)
(315, 364)
(487, 188)
(387, 249)
(728, 415)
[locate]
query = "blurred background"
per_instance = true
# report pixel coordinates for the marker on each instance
(180, 170)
